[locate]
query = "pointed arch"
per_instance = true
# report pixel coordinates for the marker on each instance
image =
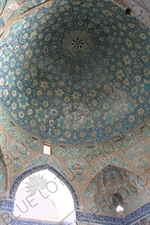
(26, 173)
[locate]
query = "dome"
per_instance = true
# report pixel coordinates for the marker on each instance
(76, 72)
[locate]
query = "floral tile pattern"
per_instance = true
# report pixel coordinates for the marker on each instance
(76, 74)
(67, 91)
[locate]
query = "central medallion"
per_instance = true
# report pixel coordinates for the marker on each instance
(77, 48)
(77, 43)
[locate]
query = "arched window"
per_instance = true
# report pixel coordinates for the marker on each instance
(43, 196)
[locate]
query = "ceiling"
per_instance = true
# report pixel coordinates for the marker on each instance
(75, 74)
(72, 72)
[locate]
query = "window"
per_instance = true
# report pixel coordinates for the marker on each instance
(43, 196)
(47, 149)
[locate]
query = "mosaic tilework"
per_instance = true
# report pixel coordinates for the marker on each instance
(16, 150)
(10, 9)
(73, 152)
(19, 135)
(98, 196)
(93, 218)
(118, 144)
(41, 160)
(75, 118)
(108, 161)
(141, 9)
(6, 205)
(138, 152)
(99, 86)
(87, 217)
(107, 148)
(137, 214)
(85, 223)
(145, 221)
(127, 220)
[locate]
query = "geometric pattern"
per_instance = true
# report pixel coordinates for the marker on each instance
(139, 153)
(126, 220)
(18, 134)
(78, 73)
(9, 10)
(98, 197)
(104, 149)
(136, 151)
(97, 219)
(76, 95)
(7, 206)
(101, 150)
(140, 9)
(133, 153)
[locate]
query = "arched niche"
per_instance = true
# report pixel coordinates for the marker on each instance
(42, 193)
(98, 197)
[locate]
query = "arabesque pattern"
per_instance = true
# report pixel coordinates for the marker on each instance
(99, 194)
(76, 74)
(76, 95)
